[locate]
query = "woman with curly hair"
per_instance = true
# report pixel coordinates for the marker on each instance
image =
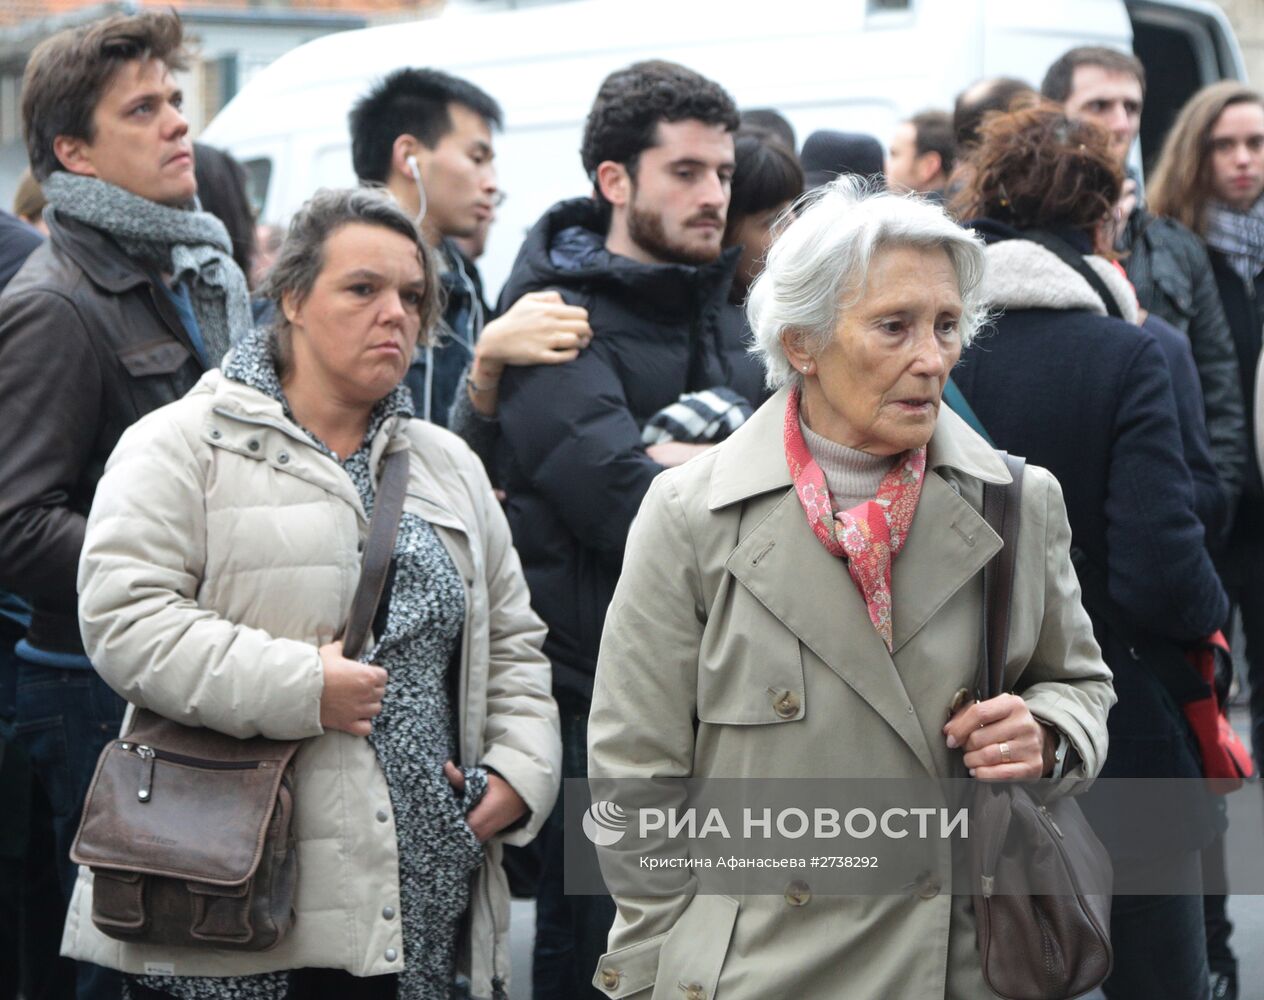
(1069, 381)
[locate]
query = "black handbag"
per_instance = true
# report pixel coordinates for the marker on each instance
(1054, 943)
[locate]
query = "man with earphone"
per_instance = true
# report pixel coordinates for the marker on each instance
(426, 136)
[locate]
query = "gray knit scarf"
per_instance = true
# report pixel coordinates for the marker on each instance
(1239, 236)
(191, 246)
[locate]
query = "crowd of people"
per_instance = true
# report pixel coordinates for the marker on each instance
(698, 496)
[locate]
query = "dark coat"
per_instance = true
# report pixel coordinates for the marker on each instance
(1090, 399)
(1167, 265)
(17, 241)
(1241, 300)
(453, 350)
(88, 344)
(1211, 502)
(747, 371)
(571, 454)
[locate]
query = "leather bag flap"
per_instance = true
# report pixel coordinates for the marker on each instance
(205, 816)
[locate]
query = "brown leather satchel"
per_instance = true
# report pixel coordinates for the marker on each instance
(1052, 941)
(188, 831)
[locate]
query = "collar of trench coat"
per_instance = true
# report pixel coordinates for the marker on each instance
(781, 562)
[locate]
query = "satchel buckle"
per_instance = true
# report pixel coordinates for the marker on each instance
(146, 754)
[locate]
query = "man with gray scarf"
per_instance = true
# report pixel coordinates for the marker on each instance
(134, 296)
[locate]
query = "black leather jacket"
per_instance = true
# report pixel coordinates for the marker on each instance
(88, 345)
(1168, 266)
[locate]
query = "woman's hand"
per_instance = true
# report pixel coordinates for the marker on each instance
(1002, 740)
(352, 695)
(538, 329)
(498, 807)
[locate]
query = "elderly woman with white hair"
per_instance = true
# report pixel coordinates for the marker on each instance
(804, 601)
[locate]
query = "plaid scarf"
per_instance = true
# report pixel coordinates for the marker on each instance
(705, 417)
(870, 534)
(1239, 236)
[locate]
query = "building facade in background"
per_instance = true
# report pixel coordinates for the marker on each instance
(231, 41)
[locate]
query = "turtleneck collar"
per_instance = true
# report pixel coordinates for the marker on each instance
(852, 476)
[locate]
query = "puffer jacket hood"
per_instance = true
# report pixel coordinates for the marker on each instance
(566, 249)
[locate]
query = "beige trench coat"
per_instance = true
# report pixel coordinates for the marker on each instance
(729, 609)
(222, 550)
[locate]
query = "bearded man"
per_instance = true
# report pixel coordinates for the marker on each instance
(643, 256)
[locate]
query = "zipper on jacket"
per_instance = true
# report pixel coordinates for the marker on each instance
(498, 984)
(148, 755)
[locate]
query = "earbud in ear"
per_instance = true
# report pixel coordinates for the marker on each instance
(413, 168)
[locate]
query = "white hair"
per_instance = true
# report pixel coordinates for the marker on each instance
(816, 267)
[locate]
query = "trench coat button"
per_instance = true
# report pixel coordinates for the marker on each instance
(959, 701)
(929, 886)
(798, 893)
(786, 705)
(253, 444)
(216, 434)
(609, 979)
(695, 992)
(383, 815)
(391, 954)
(283, 457)
(388, 912)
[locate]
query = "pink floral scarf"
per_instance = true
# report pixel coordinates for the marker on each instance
(867, 536)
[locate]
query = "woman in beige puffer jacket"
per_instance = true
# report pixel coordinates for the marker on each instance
(221, 555)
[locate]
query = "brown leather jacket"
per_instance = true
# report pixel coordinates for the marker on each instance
(88, 344)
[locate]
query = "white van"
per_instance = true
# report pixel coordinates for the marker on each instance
(856, 65)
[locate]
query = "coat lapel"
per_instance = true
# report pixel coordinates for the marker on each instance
(948, 543)
(783, 565)
(789, 572)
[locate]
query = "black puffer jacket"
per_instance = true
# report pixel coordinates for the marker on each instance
(88, 345)
(574, 467)
(1168, 266)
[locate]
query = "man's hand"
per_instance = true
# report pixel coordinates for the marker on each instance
(353, 691)
(499, 806)
(673, 453)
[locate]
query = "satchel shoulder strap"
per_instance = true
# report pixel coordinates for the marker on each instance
(388, 506)
(1002, 506)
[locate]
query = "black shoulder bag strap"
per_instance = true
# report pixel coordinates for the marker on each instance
(1067, 254)
(388, 506)
(1001, 509)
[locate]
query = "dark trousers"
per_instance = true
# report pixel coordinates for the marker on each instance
(570, 931)
(1220, 956)
(31, 910)
(1159, 942)
(64, 718)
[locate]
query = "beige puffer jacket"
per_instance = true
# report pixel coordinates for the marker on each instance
(222, 550)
